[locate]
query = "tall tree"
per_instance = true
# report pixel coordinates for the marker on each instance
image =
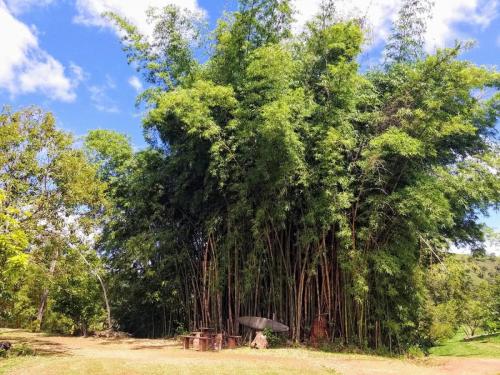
(407, 42)
(51, 185)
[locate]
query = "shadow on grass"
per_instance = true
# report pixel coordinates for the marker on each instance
(482, 338)
(158, 345)
(111, 341)
(40, 347)
(147, 347)
(141, 343)
(333, 348)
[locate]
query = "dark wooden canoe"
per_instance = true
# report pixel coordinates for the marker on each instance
(258, 323)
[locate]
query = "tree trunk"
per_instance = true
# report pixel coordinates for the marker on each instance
(105, 294)
(45, 294)
(103, 287)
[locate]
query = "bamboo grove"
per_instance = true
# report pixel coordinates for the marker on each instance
(283, 181)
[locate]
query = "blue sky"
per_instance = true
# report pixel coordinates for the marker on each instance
(61, 55)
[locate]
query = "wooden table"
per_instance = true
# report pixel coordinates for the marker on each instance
(202, 341)
(232, 341)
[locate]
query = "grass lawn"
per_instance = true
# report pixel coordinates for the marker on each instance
(487, 347)
(64, 355)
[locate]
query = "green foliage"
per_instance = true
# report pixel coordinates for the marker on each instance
(13, 259)
(415, 352)
(166, 59)
(274, 340)
(108, 150)
(77, 296)
(460, 299)
(59, 323)
(282, 179)
(18, 350)
(406, 43)
(50, 202)
(181, 330)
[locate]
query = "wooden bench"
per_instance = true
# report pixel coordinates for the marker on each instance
(233, 341)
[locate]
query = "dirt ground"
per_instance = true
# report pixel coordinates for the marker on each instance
(78, 355)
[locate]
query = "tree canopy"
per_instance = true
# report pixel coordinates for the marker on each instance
(50, 201)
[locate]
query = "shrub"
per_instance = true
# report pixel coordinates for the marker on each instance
(415, 352)
(181, 330)
(59, 323)
(20, 350)
(440, 331)
(273, 339)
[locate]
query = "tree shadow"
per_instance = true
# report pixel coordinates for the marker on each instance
(141, 343)
(142, 347)
(482, 338)
(158, 345)
(110, 341)
(40, 347)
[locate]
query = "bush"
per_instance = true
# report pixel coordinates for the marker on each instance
(415, 352)
(273, 339)
(59, 323)
(18, 350)
(181, 330)
(21, 350)
(442, 331)
(33, 326)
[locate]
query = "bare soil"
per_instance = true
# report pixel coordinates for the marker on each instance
(78, 355)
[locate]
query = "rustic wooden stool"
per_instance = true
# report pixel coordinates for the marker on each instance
(233, 341)
(186, 340)
(196, 341)
(203, 343)
(217, 342)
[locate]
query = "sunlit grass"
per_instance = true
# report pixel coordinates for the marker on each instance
(486, 346)
(154, 357)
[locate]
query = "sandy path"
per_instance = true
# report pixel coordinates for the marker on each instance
(76, 355)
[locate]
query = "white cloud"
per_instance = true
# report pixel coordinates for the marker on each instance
(89, 12)
(100, 98)
(448, 14)
(490, 247)
(379, 13)
(442, 28)
(78, 72)
(135, 83)
(26, 68)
